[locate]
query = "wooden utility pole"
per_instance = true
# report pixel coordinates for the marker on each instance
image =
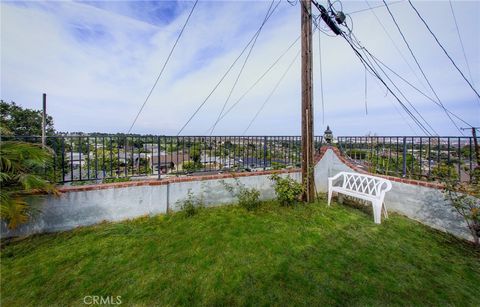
(307, 110)
(44, 118)
(475, 144)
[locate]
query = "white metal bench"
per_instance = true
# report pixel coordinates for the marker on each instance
(361, 186)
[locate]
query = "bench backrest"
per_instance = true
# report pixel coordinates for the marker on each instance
(365, 184)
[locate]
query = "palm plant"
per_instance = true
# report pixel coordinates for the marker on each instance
(22, 167)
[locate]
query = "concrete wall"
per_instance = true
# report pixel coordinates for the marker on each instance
(81, 208)
(213, 191)
(424, 204)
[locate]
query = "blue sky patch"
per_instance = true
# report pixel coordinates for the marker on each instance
(90, 33)
(153, 12)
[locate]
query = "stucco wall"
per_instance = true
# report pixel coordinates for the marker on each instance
(115, 203)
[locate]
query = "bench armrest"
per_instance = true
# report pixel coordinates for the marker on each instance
(336, 176)
(331, 179)
(389, 186)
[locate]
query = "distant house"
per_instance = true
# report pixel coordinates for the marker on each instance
(75, 159)
(256, 164)
(216, 161)
(169, 162)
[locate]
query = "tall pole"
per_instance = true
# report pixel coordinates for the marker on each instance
(44, 119)
(307, 110)
(477, 148)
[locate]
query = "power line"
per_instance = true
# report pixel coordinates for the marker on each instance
(259, 79)
(271, 93)
(353, 40)
(445, 51)
(461, 41)
(163, 68)
(375, 7)
(220, 81)
(418, 65)
(373, 71)
(394, 44)
(321, 76)
(365, 92)
(243, 66)
(367, 55)
(418, 90)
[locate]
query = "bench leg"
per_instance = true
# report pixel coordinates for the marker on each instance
(377, 212)
(330, 192)
(385, 213)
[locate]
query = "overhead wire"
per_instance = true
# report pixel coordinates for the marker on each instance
(419, 66)
(418, 90)
(366, 62)
(254, 84)
(444, 50)
(163, 67)
(461, 41)
(321, 75)
(243, 66)
(374, 72)
(271, 93)
(395, 44)
(365, 93)
(221, 80)
(283, 76)
(375, 7)
(372, 61)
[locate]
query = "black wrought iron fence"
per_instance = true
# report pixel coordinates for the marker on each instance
(423, 158)
(81, 158)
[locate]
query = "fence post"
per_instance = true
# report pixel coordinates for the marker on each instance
(264, 152)
(158, 158)
(44, 119)
(404, 167)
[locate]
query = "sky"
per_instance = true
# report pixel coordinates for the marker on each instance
(97, 61)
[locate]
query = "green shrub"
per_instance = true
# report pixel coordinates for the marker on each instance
(444, 171)
(278, 165)
(191, 205)
(288, 190)
(191, 166)
(465, 200)
(248, 198)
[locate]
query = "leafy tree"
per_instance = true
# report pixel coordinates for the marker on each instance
(21, 168)
(23, 121)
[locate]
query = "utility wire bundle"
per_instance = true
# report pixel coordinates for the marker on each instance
(372, 64)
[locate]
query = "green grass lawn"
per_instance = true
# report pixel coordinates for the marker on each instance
(306, 255)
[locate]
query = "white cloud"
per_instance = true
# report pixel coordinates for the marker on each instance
(97, 66)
